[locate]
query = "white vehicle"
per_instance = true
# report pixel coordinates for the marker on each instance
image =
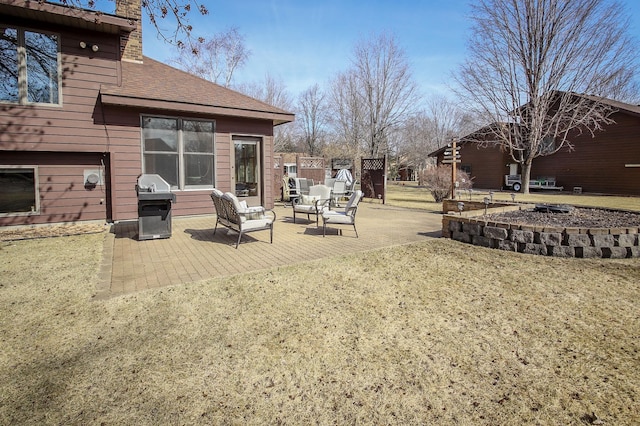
(291, 169)
(515, 182)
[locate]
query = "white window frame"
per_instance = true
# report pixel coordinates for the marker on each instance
(182, 186)
(36, 190)
(23, 96)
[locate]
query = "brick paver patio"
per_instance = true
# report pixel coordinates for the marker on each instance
(194, 253)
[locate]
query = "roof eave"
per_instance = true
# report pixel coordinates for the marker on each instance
(145, 103)
(67, 16)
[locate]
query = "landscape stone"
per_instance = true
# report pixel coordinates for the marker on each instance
(627, 240)
(578, 240)
(507, 245)
(615, 231)
(463, 237)
(614, 252)
(548, 238)
(472, 228)
(495, 233)
(521, 236)
(531, 248)
(481, 241)
(588, 252)
(598, 231)
(603, 240)
(589, 233)
(552, 229)
(562, 251)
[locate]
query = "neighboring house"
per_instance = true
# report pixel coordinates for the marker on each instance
(608, 163)
(83, 113)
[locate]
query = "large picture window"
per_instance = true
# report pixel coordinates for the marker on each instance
(29, 66)
(179, 150)
(18, 190)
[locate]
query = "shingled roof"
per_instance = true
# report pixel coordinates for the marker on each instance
(152, 84)
(616, 106)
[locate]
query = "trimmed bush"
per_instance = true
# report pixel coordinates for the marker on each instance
(438, 180)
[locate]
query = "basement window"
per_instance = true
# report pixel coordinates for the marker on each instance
(30, 71)
(18, 191)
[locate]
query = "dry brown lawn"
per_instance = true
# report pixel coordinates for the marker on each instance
(430, 333)
(407, 194)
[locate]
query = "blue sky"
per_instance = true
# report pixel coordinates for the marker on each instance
(303, 42)
(306, 42)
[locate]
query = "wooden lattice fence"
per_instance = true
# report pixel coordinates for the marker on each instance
(374, 178)
(311, 168)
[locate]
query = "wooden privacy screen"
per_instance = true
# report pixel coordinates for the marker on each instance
(311, 168)
(374, 175)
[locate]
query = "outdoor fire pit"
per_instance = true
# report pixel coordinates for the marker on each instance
(553, 208)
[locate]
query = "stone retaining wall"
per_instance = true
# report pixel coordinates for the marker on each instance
(469, 227)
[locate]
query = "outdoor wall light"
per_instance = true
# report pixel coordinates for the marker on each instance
(84, 45)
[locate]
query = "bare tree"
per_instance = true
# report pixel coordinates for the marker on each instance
(430, 129)
(216, 58)
(177, 12)
(348, 113)
(528, 60)
(447, 119)
(385, 87)
(374, 96)
(274, 92)
(271, 91)
(312, 113)
(416, 139)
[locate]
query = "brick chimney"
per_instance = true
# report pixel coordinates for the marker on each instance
(131, 43)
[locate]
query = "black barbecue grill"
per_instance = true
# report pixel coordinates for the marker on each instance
(154, 207)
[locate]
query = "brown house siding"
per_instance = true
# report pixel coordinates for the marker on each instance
(84, 133)
(125, 144)
(488, 165)
(63, 141)
(598, 164)
(485, 173)
(61, 188)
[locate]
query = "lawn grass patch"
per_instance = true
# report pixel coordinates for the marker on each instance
(433, 332)
(410, 195)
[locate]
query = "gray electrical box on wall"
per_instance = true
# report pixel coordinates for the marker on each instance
(93, 177)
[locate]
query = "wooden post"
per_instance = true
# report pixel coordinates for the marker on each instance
(454, 153)
(384, 177)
